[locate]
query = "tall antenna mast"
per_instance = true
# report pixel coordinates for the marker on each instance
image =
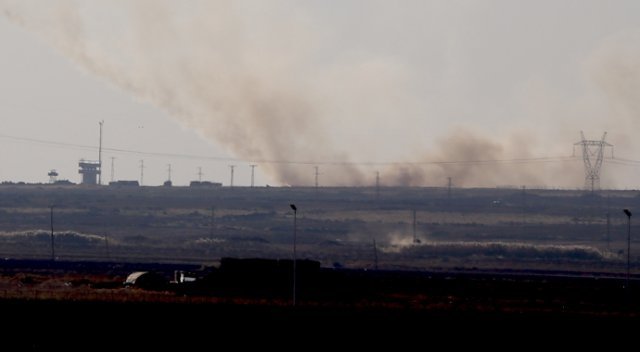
(524, 205)
(141, 172)
(231, 167)
(169, 172)
(449, 185)
(608, 222)
(53, 250)
(100, 155)
(415, 223)
(199, 173)
(112, 168)
(377, 185)
(592, 156)
(252, 170)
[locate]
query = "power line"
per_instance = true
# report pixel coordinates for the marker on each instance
(621, 161)
(305, 162)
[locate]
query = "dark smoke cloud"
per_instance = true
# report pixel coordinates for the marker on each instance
(471, 160)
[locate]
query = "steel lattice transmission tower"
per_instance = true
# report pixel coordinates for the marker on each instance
(592, 155)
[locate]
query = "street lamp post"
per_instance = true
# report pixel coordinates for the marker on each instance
(295, 216)
(53, 251)
(628, 213)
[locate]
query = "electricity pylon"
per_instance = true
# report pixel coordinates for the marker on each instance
(592, 155)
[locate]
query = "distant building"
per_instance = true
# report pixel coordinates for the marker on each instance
(205, 184)
(53, 176)
(90, 171)
(167, 184)
(63, 183)
(124, 183)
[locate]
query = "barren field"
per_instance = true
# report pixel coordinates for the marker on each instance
(489, 254)
(485, 228)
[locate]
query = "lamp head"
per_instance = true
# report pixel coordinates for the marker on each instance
(626, 211)
(293, 206)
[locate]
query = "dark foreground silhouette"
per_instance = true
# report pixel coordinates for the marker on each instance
(252, 297)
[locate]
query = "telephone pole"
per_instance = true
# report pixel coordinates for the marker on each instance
(253, 167)
(377, 185)
(100, 156)
(231, 167)
(141, 172)
(628, 213)
(415, 225)
(112, 169)
(53, 250)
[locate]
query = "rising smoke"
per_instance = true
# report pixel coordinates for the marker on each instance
(264, 80)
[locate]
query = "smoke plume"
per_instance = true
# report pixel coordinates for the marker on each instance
(276, 89)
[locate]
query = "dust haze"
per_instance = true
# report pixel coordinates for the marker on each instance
(284, 84)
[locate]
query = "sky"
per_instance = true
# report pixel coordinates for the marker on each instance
(415, 90)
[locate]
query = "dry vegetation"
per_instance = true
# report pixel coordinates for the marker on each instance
(473, 228)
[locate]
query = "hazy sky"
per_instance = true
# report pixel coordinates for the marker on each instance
(340, 84)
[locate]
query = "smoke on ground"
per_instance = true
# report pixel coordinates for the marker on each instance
(506, 250)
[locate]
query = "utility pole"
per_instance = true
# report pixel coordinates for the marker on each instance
(449, 185)
(231, 167)
(141, 172)
(253, 166)
(377, 185)
(415, 225)
(169, 172)
(295, 226)
(100, 155)
(524, 204)
(112, 169)
(628, 213)
(53, 250)
(608, 215)
(317, 174)
(199, 173)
